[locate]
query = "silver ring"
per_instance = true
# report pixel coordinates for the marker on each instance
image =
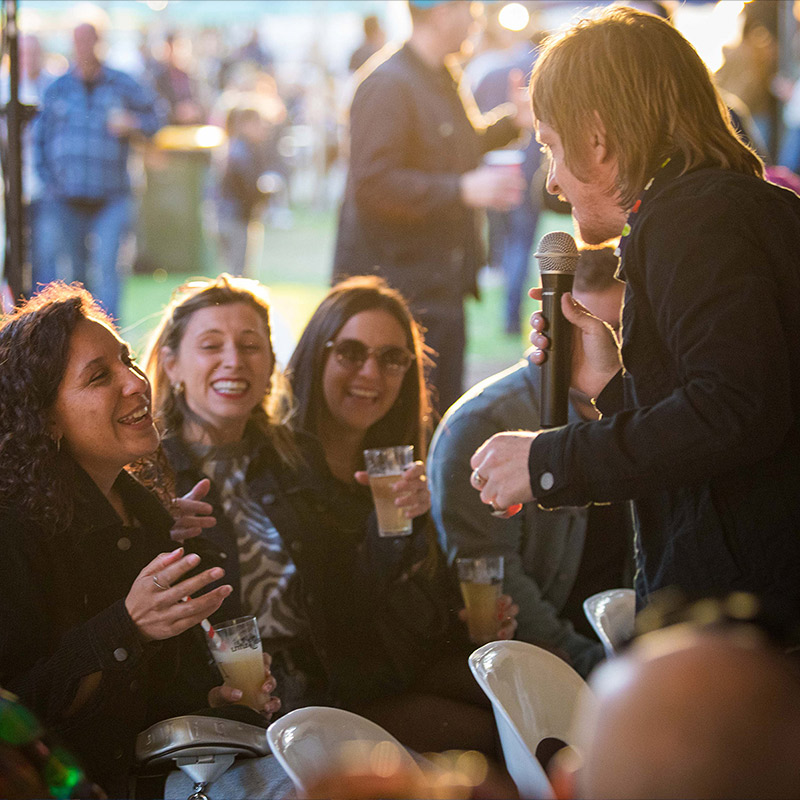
(163, 588)
(478, 479)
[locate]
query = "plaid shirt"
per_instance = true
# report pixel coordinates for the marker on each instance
(75, 154)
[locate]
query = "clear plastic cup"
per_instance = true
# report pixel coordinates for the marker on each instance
(384, 466)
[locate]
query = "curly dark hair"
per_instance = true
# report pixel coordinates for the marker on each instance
(36, 477)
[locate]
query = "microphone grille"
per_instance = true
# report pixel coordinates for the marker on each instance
(557, 252)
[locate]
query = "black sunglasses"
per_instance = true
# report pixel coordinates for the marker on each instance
(352, 354)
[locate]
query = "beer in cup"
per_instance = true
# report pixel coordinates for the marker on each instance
(385, 465)
(238, 654)
(481, 581)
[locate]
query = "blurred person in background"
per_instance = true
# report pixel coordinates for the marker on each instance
(415, 182)
(374, 39)
(241, 194)
(511, 233)
(554, 560)
(81, 143)
(34, 79)
(174, 84)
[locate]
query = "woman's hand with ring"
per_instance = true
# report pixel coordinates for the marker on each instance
(161, 605)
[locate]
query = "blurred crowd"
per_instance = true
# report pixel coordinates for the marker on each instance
(283, 140)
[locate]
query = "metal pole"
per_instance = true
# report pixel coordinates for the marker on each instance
(15, 257)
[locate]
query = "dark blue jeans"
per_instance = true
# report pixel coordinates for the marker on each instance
(513, 233)
(81, 243)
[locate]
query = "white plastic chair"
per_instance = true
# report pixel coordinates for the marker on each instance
(314, 742)
(611, 614)
(534, 695)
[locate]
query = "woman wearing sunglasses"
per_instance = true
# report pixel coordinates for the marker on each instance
(99, 613)
(358, 377)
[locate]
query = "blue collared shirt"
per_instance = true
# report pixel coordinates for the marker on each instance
(75, 154)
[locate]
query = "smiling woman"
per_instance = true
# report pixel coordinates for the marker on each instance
(98, 618)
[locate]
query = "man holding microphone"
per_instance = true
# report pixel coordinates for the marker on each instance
(700, 401)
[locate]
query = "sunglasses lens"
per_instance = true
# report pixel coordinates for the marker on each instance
(351, 353)
(395, 359)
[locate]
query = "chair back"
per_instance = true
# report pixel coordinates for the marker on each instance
(315, 742)
(611, 613)
(534, 695)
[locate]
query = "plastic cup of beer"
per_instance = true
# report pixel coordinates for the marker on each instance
(481, 581)
(238, 655)
(385, 465)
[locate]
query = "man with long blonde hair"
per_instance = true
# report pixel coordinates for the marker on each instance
(701, 398)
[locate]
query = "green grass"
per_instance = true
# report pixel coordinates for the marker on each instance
(296, 265)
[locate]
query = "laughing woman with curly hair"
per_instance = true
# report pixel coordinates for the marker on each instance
(98, 623)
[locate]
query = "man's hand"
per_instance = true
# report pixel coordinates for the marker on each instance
(500, 188)
(596, 355)
(500, 469)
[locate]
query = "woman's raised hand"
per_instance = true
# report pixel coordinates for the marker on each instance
(191, 513)
(225, 695)
(161, 604)
(411, 492)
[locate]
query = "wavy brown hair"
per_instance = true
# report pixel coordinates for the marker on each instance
(37, 477)
(650, 90)
(170, 408)
(409, 419)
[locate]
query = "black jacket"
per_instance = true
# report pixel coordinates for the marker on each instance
(709, 439)
(375, 621)
(63, 617)
(413, 133)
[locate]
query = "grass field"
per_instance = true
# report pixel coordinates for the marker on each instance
(296, 264)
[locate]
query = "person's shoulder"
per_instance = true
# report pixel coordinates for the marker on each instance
(502, 401)
(390, 66)
(726, 193)
(503, 388)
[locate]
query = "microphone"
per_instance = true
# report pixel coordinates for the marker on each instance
(558, 257)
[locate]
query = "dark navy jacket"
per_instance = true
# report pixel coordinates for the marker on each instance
(708, 442)
(374, 619)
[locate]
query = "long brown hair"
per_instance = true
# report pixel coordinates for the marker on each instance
(650, 90)
(37, 476)
(409, 419)
(170, 407)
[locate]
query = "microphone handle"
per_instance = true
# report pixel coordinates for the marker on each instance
(556, 371)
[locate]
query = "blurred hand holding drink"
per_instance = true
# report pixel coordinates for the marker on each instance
(481, 581)
(385, 465)
(236, 648)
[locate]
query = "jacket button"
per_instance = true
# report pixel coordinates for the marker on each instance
(118, 753)
(296, 547)
(268, 499)
(124, 543)
(547, 481)
(121, 654)
(223, 555)
(134, 686)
